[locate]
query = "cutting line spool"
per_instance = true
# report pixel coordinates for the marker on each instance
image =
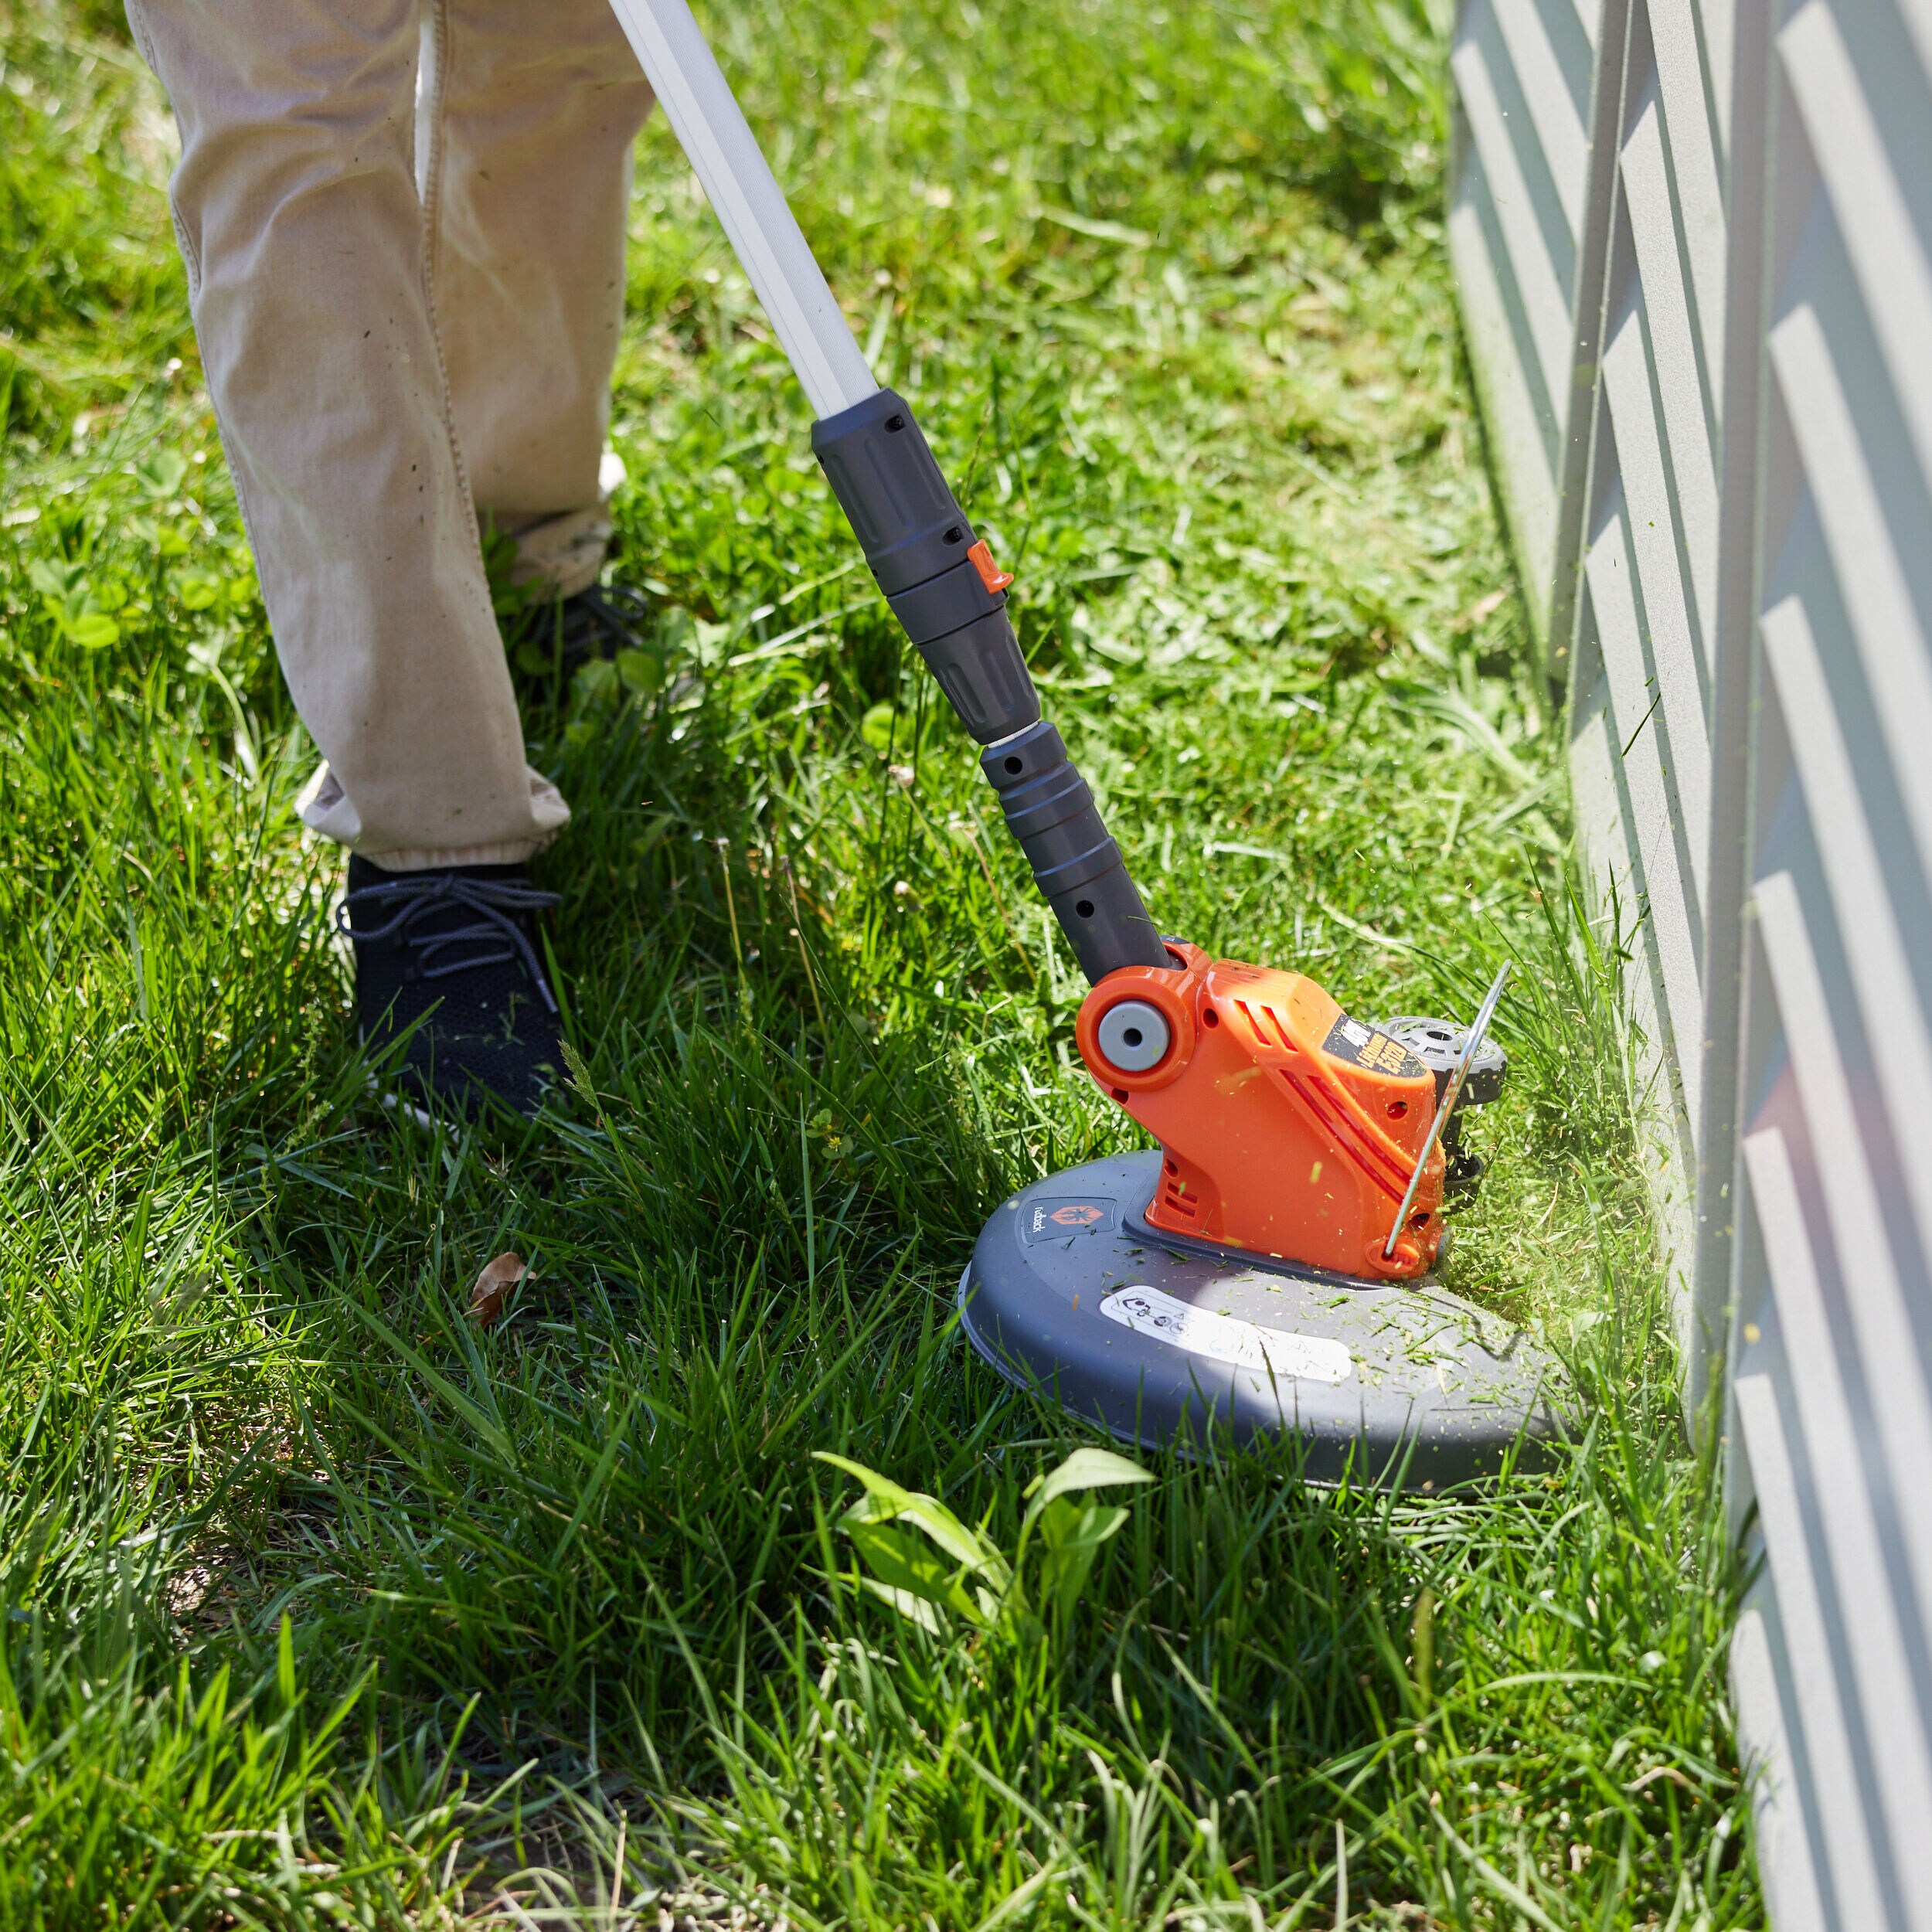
(1451, 1094)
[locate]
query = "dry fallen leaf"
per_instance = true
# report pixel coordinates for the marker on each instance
(493, 1286)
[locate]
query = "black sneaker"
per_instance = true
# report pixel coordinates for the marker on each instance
(557, 638)
(452, 953)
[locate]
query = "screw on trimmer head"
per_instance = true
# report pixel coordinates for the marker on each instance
(1440, 1045)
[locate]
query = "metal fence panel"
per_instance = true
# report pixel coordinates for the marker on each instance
(1833, 1267)
(1740, 563)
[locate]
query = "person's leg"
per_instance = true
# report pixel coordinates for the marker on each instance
(530, 107)
(296, 204)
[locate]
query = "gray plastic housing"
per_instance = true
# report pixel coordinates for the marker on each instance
(916, 538)
(1076, 863)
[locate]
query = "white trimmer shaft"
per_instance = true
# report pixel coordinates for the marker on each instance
(764, 234)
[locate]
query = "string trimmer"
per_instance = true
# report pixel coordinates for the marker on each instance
(1266, 1270)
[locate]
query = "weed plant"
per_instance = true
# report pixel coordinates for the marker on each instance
(319, 1605)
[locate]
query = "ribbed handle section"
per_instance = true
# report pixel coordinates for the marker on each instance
(1076, 863)
(916, 538)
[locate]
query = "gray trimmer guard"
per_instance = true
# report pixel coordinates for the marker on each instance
(1068, 1292)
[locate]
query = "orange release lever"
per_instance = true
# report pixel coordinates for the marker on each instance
(1288, 1128)
(981, 557)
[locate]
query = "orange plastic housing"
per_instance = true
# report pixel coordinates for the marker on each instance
(1289, 1129)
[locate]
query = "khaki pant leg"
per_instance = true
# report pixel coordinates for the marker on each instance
(529, 109)
(296, 204)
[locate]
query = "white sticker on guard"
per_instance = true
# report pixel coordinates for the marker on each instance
(1225, 1338)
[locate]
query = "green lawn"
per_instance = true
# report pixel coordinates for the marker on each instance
(322, 1606)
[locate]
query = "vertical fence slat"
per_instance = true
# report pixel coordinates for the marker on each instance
(1695, 171)
(1555, 113)
(1681, 396)
(1635, 703)
(1888, 1350)
(1653, 465)
(1851, 1533)
(1834, 1784)
(1855, 876)
(1675, 671)
(1888, 258)
(1760, 1671)
(1524, 227)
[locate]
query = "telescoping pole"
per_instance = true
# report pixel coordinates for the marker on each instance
(939, 579)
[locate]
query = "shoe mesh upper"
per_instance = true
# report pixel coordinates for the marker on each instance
(452, 953)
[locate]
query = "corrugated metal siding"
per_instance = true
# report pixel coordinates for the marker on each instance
(1750, 629)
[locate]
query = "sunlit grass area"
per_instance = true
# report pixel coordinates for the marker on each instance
(324, 1604)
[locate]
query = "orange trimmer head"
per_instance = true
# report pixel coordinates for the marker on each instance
(1267, 1270)
(1288, 1130)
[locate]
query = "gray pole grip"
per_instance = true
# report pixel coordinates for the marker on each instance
(1076, 863)
(916, 539)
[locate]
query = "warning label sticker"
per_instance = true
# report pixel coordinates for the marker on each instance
(1274, 1352)
(1056, 1219)
(1360, 1046)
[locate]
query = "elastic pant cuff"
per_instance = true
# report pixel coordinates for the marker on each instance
(514, 852)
